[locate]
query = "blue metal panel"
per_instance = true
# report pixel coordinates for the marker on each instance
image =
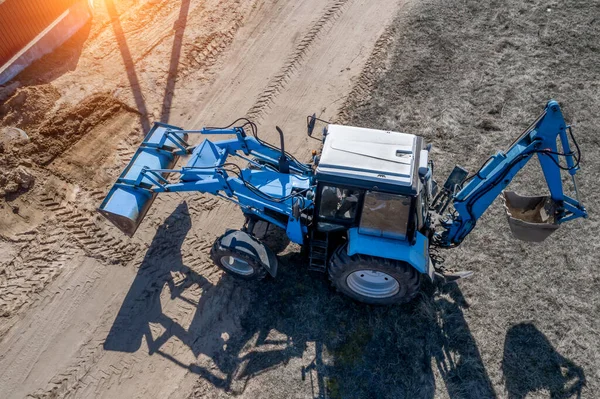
(273, 183)
(416, 255)
(206, 155)
(480, 192)
(130, 197)
(294, 231)
(255, 191)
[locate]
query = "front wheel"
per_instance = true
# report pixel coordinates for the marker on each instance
(235, 253)
(373, 280)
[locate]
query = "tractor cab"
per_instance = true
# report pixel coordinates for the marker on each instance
(368, 180)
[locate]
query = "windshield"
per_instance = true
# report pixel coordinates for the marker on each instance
(385, 215)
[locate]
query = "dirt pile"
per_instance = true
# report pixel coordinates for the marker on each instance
(27, 106)
(15, 180)
(46, 130)
(65, 128)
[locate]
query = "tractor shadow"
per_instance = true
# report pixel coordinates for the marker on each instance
(163, 277)
(296, 331)
(356, 350)
(531, 364)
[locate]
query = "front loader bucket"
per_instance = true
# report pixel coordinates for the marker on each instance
(530, 218)
(131, 196)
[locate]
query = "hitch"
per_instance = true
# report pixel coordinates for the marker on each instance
(449, 277)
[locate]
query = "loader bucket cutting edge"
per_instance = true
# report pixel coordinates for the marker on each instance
(530, 218)
(128, 200)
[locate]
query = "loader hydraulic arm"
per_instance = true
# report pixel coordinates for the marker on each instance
(477, 192)
(276, 187)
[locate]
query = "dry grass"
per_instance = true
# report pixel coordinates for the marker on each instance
(468, 76)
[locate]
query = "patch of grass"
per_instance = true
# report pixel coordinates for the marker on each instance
(351, 352)
(333, 388)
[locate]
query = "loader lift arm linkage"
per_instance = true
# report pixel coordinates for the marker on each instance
(478, 191)
(262, 191)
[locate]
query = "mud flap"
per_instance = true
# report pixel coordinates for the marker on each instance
(244, 242)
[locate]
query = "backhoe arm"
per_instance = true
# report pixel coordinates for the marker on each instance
(480, 190)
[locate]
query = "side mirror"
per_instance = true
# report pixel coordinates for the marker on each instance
(457, 176)
(310, 124)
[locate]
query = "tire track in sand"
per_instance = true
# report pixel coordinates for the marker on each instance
(278, 82)
(95, 369)
(369, 76)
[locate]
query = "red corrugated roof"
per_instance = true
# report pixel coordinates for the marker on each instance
(22, 20)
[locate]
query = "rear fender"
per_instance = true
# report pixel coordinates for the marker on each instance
(416, 255)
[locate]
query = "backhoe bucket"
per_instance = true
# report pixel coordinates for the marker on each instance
(131, 196)
(530, 218)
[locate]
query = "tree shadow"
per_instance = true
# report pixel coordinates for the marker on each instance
(531, 363)
(175, 55)
(134, 82)
(66, 57)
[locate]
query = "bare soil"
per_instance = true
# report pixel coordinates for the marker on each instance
(87, 312)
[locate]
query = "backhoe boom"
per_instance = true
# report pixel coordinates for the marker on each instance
(480, 190)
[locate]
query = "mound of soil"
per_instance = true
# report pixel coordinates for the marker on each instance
(17, 179)
(28, 106)
(65, 128)
(50, 130)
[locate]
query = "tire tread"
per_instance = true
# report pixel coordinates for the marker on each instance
(341, 261)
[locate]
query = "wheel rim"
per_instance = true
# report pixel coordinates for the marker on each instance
(237, 265)
(373, 284)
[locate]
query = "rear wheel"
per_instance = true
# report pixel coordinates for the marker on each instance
(373, 280)
(236, 260)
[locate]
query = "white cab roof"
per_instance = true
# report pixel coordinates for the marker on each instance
(378, 156)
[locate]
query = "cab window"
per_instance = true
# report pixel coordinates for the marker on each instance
(339, 203)
(385, 215)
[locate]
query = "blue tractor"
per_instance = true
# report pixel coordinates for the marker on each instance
(366, 208)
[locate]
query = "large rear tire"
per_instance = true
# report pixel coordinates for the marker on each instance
(373, 280)
(237, 262)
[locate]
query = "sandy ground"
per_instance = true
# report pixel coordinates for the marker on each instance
(88, 312)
